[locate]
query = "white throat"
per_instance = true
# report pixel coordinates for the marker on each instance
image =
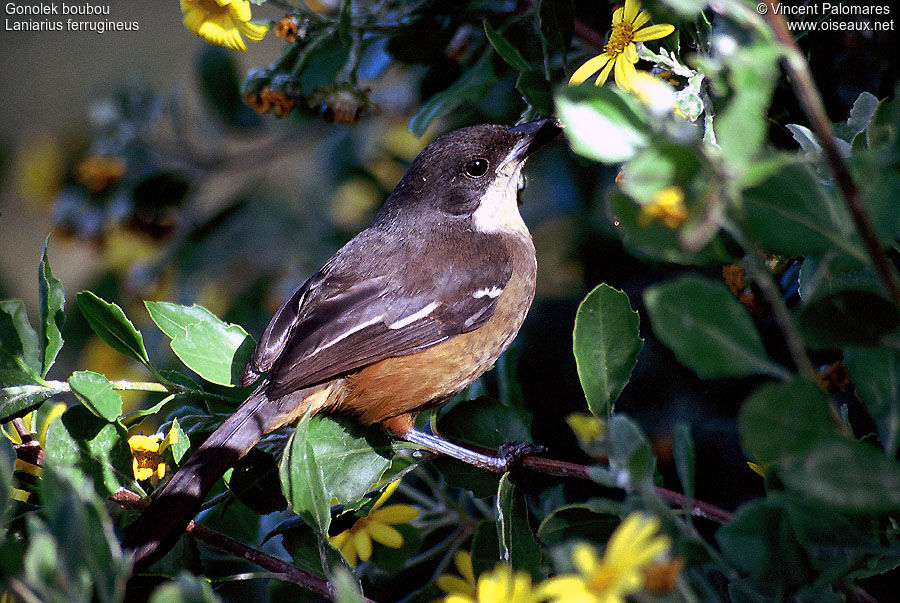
(499, 209)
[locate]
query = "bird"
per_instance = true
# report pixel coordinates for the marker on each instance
(404, 316)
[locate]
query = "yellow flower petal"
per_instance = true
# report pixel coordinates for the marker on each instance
(339, 540)
(758, 469)
(192, 20)
(654, 32)
(604, 73)
(388, 492)
(567, 587)
(463, 562)
(238, 9)
(590, 67)
(19, 495)
(454, 598)
(632, 7)
(585, 558)
(55, 412)
(363, 544)
(641, 18)
(624, 72)
(143, 443)
(395, 514)
(254, 31)
(171, 438)
(385, 534)
(454, 585)
(20, 465)
(618, 15)
(630, 53)
(348, 550)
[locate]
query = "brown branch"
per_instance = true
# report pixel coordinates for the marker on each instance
(811, 101)
(564, 469)
(589, 34)
(285, 571)
(30, 452)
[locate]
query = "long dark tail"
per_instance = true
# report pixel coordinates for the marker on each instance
(163, 521)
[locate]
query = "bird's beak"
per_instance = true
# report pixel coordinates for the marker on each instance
(534, 135)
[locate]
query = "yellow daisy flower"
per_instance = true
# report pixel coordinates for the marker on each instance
(667, 206)
(222, 22)
(454, 585)
(633, 546)
(148, 462)
(620, 53)
(356, 542)
(502, 585)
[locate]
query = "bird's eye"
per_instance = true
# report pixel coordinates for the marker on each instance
(476, 168)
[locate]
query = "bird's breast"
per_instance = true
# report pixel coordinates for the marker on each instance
(406, 384)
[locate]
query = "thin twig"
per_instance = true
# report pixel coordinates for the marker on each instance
(697, 508)
(284, 570)
(589, 34)
(811, 101)
(762, 277)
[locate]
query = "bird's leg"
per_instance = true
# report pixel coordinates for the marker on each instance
(508, 455)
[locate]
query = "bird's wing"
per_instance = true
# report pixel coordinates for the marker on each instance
(342, 319)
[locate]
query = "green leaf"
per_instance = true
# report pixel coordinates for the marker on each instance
(606, 342)
(507, 51)
(876, 374)
(880, 199)
(594, 520)
(557, 22)
(352, 458)
(215, 350)
(182, 442)
(789, 213)
(603, 124)
(536, 91)
(847, 475)
(685, 458)
(19, 346)
(472, 85)
(112, 326)
(842, 304)
(835, 545)
(186, 588)
(630, 457)
(657, 241)
(686, 8)
(19, 400)
(82, 443)
(485, 548)
(346, 586)
(86, 543)
(780, 420)
(759, 541)
(518, 546)
(882, 131)
(483, 422)
(53, 300)
(302, 481)
(97, 394)
(708, 329)
(740, 125)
